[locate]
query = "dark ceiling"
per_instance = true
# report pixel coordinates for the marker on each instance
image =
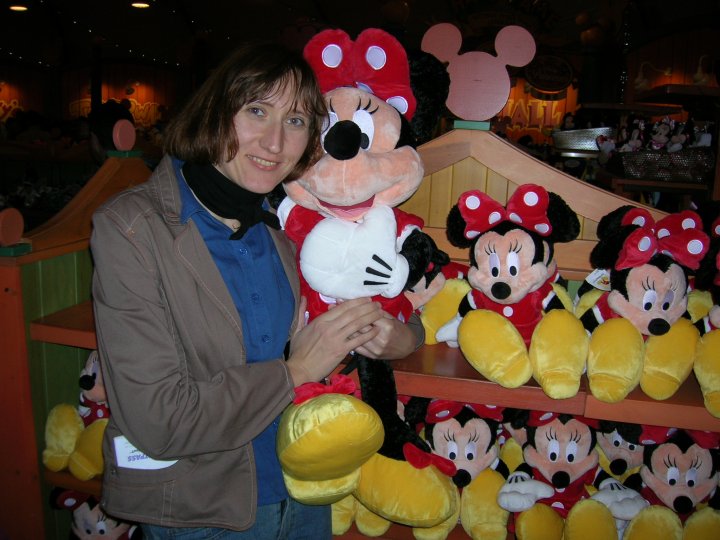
(57, 33)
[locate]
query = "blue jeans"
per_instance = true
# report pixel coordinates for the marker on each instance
(286, 520)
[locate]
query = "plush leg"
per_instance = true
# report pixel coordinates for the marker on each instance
(495, 348)
(707, 370)
(558, 353)
(86, 461)
(703, 524)
(369, 523)
(443, 529)
(442, 307)
(615, 360)
(343, 514)
(669, 360)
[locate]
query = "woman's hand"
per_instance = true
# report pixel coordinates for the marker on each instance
(394, 340)
(317, 348)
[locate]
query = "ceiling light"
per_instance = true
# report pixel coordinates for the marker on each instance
(18, 7)
(140, 5)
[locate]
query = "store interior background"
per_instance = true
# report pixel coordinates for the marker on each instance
(60, 58)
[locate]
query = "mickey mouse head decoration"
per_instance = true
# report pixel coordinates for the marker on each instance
(479, 82)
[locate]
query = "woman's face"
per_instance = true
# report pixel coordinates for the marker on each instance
(272, 136)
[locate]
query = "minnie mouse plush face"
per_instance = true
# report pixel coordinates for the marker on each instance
(506, 266)
(655, 298)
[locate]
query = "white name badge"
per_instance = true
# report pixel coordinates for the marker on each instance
(130, 457)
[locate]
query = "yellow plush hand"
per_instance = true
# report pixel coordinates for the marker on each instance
(495, 348)
(62, 431)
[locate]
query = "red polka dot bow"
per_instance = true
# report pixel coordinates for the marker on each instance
(679, 236)
(527, 207)
(375, 62)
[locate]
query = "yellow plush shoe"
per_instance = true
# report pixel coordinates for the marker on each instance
(707, 370)
(343, 515)
(442, 307)
(615, 360)
(654, 523)
(589, 520)
(398, 492)
(703, 524)
(327, 437)
(558, 353)
(539, 523)
(669, 360)
(480, 514)
(322, 491)
(495, 348)
(62, 431)
(369, 523)
(86, 461)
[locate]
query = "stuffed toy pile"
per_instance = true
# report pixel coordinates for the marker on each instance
(353, 242)
(641, 329)
(73, 433)
(516, 320)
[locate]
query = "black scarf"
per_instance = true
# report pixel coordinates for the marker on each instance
(226, 199)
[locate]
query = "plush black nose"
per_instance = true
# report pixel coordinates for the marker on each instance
(462, 478)
(618, 466)
(658, 327)
(561, 479)
(500, 290)
(682, 504)
(343, 140)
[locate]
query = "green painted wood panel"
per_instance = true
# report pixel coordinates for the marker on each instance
(48, 286)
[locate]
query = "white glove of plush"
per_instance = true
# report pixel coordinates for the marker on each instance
(624, 503)
(344, 259)
(448, 332)
(520, 492)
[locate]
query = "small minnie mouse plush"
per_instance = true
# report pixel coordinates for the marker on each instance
(680, 480)
(641, 331)
(551, 489)
(517, 298)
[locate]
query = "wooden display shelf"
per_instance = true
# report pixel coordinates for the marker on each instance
(73, 326)
(439, 371)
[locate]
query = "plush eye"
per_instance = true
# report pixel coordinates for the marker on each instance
(328, 122)
(470, 451)
(452, 450)
(649, 299)
(364, 120)
(631, 447)
(513, 263)
(668, 300)
(571, 451)
(553, 450)
(691, 477)
(672, 476)
(494, 261)
(617, 440)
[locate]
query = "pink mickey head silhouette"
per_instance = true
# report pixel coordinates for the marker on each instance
(479, 82)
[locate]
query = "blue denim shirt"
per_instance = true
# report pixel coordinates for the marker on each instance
(256, 279)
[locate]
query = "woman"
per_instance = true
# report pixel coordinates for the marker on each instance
(200, 328)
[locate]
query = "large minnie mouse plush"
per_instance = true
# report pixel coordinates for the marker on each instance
(517, 298)
(550, 490)
(680, 480)
(352, 242)
(641, 330)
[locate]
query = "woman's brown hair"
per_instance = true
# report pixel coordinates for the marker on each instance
(203, 131)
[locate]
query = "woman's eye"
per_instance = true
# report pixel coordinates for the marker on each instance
(297, 121)
(257, 111)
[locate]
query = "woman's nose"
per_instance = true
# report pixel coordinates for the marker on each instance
(272, 139)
